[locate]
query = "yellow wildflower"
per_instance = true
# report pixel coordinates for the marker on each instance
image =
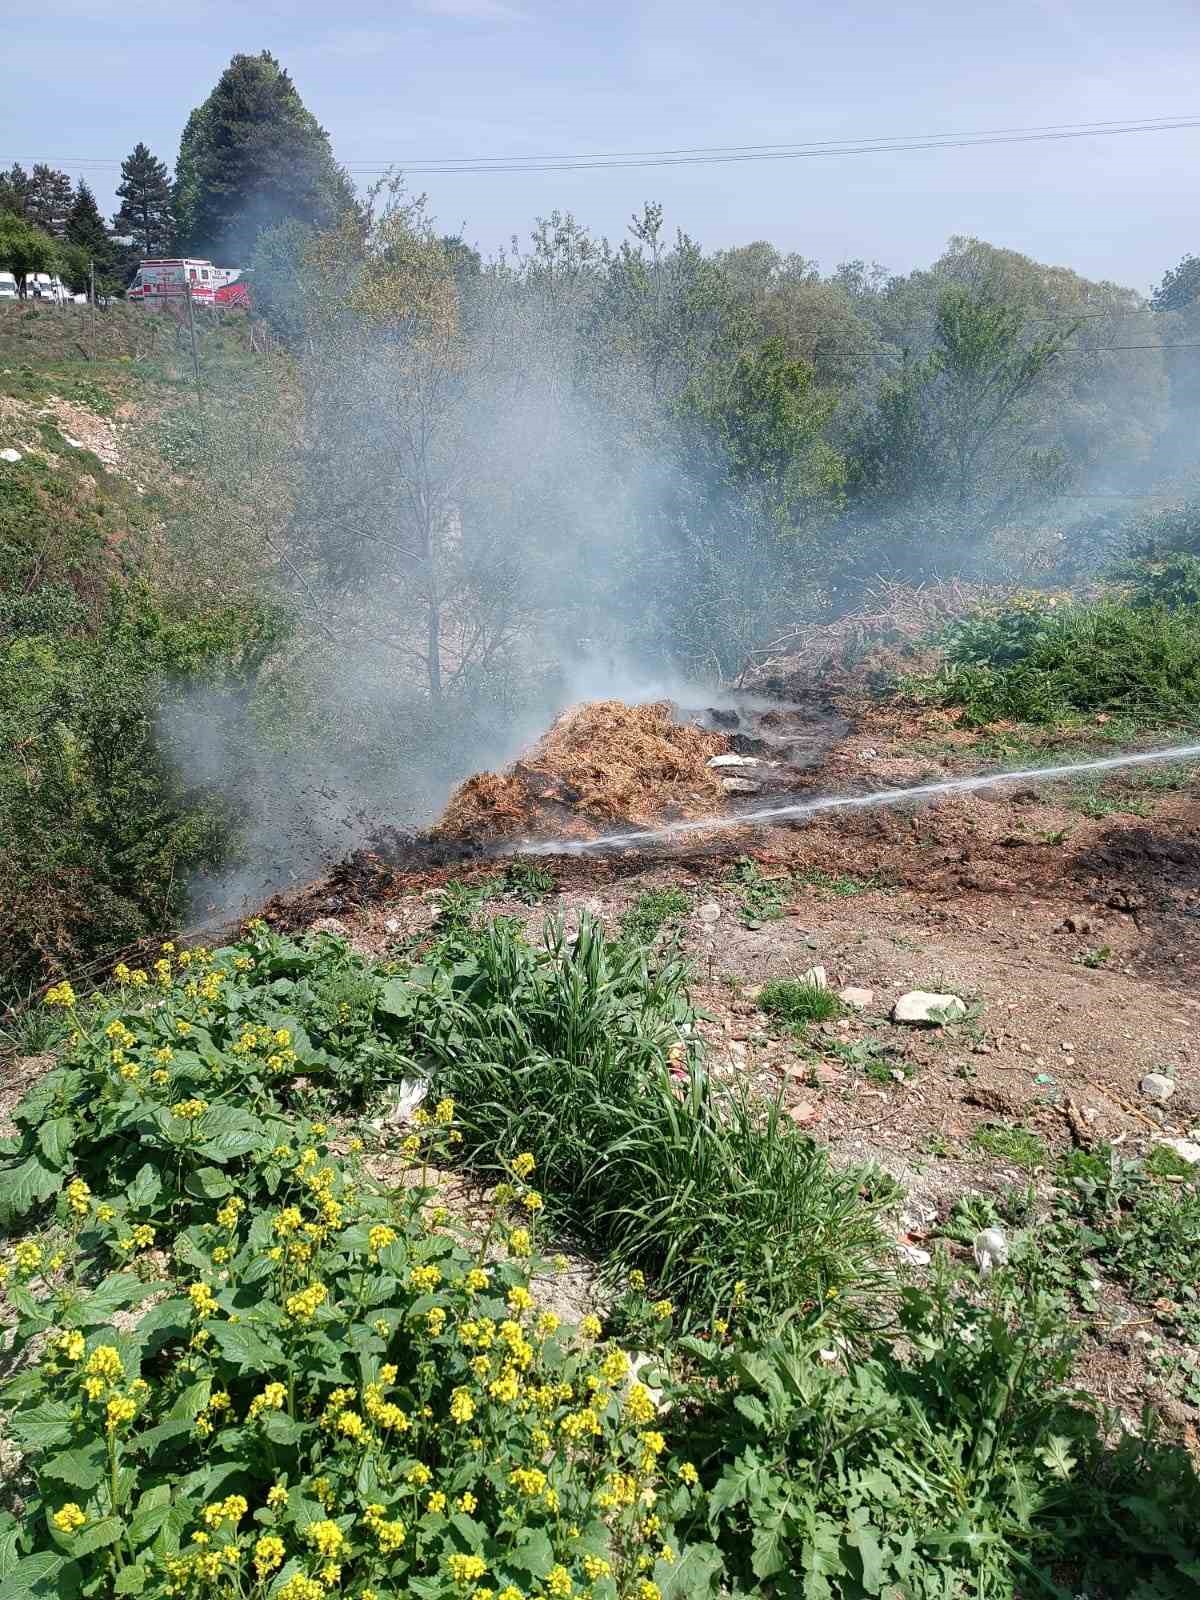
(70, 1518)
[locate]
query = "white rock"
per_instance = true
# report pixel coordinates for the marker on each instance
(392, 925)
(991, 1250)
(857, 999)
(1184, 1149)
(709, 912)
(918, 1006)
(731, 759)
(1157, 1086)
(740, 786)
(814, 978)
(74, 443)
(10, 455)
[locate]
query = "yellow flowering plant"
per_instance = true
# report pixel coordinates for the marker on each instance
(317, 1385)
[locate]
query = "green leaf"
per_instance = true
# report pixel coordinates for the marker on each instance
(227, 1146)
(208, 1183)
(45, 1426)
(768, 1550)
(396, 999)
(752, 1409)
(54, 1139)
(10, 1534)
(691, 1574)
(280, 1428)
(169, 1319)
(96, 1535)
(119, 1289)
(24, 1186)
(239, 1342)
(191, 1402)
(862, 1537)
(130, 1580)
(1056, 1453)
(532, 1552)
(145, 1188)
(145, 1523)
(82, 1468)
(34, 1571)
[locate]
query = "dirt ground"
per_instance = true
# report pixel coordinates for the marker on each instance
(1070, 936)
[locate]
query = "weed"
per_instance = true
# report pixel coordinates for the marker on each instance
(1097, 800)
(527, 882)
(839, 884)
(795, 1002)
(1099, 957)
(653, 911)
(458, 906)
(30, 1029)
(761, 898)
(1019, 1145)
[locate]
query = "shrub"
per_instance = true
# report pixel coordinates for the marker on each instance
(1046, 664)
(952, 1463)
(653, 911)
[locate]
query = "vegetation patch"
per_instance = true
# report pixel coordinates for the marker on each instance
(793, 1001)
(652, 911)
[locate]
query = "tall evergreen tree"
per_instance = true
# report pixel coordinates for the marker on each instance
(252, 156)
(92, 243)
(147, 208)
(48, 199)
(14, 190)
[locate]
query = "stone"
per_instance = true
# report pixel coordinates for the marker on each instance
(1079, 922)
(730, 759)
(709, 912)
(740, 786)
(857, 999)
(1184, 1149)
(814, 978)
(1157, 1086)
(11, 456)
(928, 1010)
(990, 1250)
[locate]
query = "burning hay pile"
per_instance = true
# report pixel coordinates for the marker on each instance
(600, 762)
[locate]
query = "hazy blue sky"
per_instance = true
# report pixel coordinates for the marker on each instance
(444, 78)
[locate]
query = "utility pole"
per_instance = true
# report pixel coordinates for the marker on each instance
(187, 287)
(92, 297)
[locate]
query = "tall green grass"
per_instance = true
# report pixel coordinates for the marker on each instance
(565, 1051)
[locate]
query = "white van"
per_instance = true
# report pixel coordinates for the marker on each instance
(8, 286)
(45, 286)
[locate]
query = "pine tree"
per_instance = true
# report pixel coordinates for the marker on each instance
(48, 199)
(252, 156)
(85, 230)
(147, 211)
(14, 190)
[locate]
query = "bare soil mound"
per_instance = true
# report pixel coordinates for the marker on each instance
(600, 762)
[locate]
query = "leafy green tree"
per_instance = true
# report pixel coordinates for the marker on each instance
(92, 244)
(24, 249)
(48, 199)
(147, 206)
(955, 446)
(252, 156)
(1180, 286)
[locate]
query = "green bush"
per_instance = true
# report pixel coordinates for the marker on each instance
(797, 1003)
(101, 835)
(954, 1463)
(1046, 663)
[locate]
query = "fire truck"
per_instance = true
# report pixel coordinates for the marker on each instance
(163, 281)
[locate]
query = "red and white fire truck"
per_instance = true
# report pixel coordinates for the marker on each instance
(162, 281)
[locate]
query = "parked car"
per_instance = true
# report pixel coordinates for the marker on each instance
(8, 286)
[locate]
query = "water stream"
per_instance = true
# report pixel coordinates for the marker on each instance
(847, 802)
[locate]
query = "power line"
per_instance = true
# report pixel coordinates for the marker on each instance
(697, 155)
